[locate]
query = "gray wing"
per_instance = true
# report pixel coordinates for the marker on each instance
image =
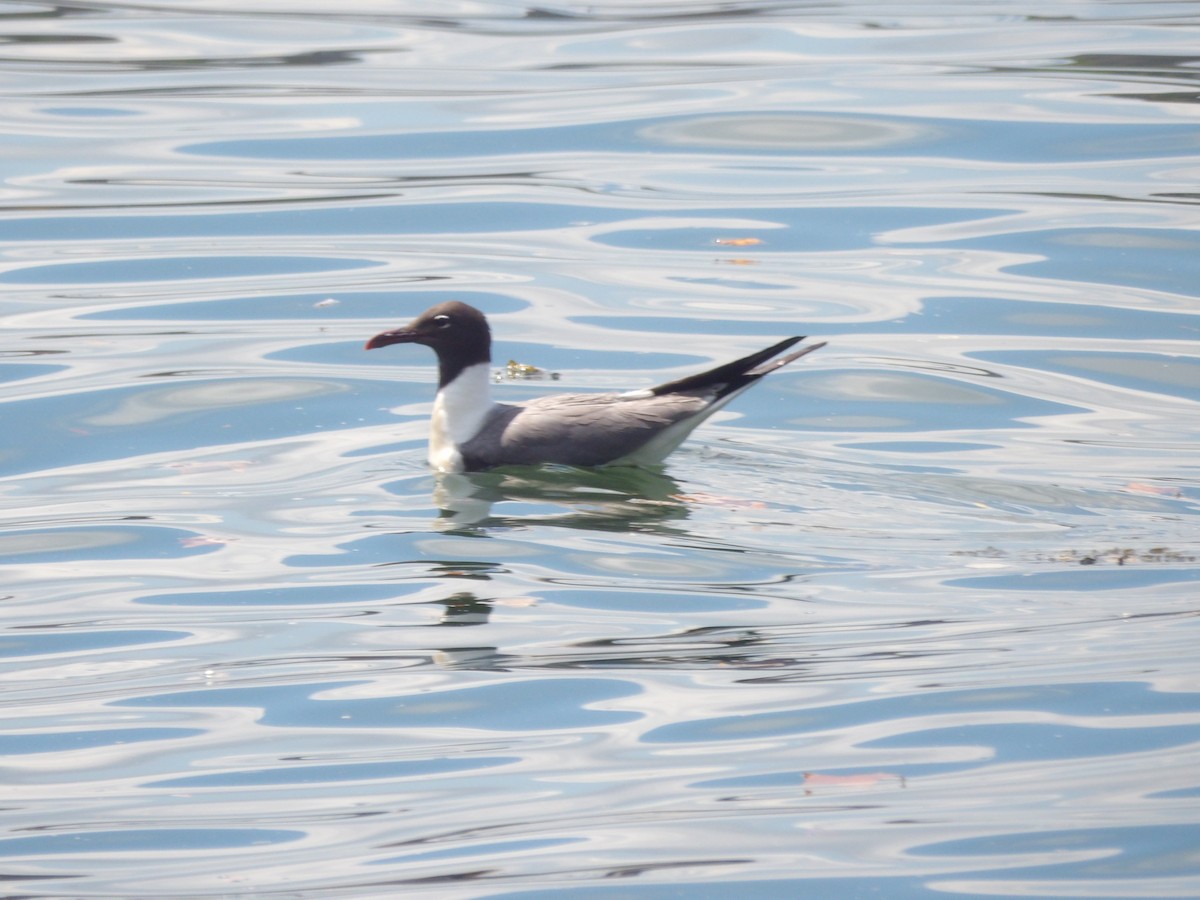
(579, 429)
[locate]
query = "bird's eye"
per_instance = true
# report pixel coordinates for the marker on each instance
(441, 321)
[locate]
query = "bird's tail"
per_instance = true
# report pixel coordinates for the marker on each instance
(737, 374)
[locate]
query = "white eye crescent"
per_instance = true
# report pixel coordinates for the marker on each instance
(442, 321)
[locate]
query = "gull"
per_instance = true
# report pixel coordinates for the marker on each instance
(470, 432)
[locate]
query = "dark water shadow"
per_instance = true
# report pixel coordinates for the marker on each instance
(617, 499)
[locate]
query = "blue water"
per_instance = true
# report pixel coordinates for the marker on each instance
(916, 617)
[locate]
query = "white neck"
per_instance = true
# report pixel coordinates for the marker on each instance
(459, 410)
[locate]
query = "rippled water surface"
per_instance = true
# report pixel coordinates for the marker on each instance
(915, 617)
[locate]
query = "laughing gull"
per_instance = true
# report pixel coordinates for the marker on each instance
(469, 431)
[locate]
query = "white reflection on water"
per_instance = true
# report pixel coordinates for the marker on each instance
(919, 617)
(166, 402)
(796, 132)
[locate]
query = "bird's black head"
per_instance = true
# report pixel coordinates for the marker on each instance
(458, 333)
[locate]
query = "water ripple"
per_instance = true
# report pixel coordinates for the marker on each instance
(915, 617)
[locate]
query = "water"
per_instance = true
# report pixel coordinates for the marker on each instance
(916, 617)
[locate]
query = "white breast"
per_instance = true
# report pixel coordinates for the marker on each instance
(459, 410)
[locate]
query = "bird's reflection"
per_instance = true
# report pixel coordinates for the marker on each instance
(616, 499)
(465, 608)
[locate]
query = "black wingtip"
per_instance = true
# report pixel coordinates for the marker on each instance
(733, 375)
(785, 360)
